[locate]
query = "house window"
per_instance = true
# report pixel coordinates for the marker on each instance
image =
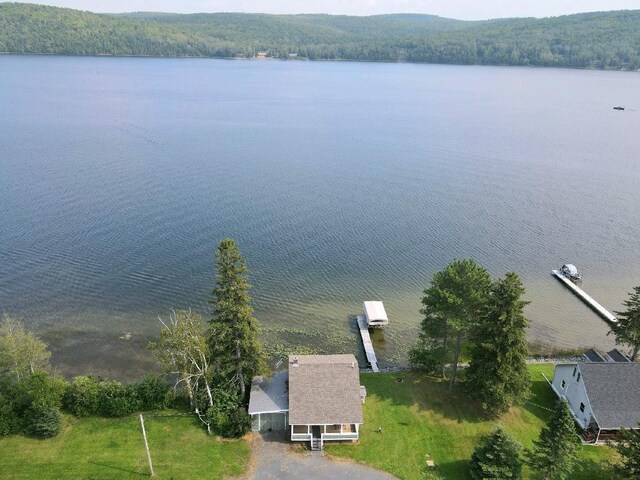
(300, 429)
(578, 377)
(575, 369)
(582, 407)
(564, 384)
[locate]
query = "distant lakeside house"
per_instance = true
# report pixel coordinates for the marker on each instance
(603, 393)
(318, 399)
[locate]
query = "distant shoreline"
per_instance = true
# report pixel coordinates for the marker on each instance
(304, 60)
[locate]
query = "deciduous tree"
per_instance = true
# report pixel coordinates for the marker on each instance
(21, 352)
(184, 351)
(497, 375)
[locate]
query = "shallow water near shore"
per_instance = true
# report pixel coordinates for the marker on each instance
(341, 182)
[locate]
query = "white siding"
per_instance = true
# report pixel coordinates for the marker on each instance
(573, 390)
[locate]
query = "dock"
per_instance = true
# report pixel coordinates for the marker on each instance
(366, 342)
(603, 312)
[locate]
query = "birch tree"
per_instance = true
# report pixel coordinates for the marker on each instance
(21, 352)
(183, 351)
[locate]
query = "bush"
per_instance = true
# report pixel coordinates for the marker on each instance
(9, 420)
(153, 392)
(116, 400)
(497, 456)
(40, 389)
(42, 421)
(81, 398)
(425, 359)
(227, 416)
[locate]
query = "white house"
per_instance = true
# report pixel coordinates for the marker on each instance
(602, 396)
(318, 399)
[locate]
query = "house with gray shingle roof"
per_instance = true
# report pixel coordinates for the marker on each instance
(602, 396)
(318, 399)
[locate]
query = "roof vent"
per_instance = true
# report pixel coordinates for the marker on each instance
(295, 362)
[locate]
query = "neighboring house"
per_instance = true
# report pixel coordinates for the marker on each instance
(613, 356)
(319, 399)
(602, 396)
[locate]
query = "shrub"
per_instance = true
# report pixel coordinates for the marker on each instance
(81, 398)
(9, 420)
(153, 392)
(425, 359)
(497, 456)
(116, 400)
(227, 416)
(40, 389)
(42, 421)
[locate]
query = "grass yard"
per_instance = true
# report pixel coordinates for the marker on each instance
(98, 448)
(420, 421)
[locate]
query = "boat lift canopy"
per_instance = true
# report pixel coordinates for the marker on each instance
(375, 314)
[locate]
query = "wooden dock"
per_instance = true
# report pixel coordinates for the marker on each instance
(603, 312)
(366, 342)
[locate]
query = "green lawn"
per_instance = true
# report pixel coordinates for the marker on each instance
(420, 420)
(97, 448)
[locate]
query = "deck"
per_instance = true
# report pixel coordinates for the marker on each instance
(603, 312)
(366, 342)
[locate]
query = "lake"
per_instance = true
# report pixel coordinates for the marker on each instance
(341, 182)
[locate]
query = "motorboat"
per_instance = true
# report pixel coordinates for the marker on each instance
(571, 272)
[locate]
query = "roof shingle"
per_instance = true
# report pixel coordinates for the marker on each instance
(324, 390)
(614, 393)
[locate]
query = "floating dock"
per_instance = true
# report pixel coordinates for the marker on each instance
(603, 312)
(366, 342)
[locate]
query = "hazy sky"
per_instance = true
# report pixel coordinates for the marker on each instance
(462, 9)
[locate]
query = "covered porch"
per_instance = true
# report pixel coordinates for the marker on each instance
(329, 432)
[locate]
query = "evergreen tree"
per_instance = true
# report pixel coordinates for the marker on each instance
(236, 352)
(554, 455)
(627, 329)
(451, 307)
(629, 450)
(497, 456)
(497, 375)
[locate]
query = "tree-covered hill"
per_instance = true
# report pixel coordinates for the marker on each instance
(606, 40)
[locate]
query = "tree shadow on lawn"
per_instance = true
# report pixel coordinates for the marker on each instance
(120, 469)
(588, 469)
(455, 470)
(426, 393)
(542, 399)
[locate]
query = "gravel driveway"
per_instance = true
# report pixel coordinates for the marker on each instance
(275, 458)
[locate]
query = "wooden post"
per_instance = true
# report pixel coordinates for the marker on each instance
(146, 444)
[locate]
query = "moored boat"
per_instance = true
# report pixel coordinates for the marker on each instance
(571, 272)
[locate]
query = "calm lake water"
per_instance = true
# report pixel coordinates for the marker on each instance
(341, 182)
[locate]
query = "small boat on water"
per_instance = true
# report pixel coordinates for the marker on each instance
(571, 272)
(619, 107)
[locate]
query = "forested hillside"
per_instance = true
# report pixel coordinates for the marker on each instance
(605, 40)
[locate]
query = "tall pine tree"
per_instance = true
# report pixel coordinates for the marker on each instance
(451, 307)
(629, 450)
(236, 353)
(554, 455)
(627, 329)
(497, 374)
(497, 456)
